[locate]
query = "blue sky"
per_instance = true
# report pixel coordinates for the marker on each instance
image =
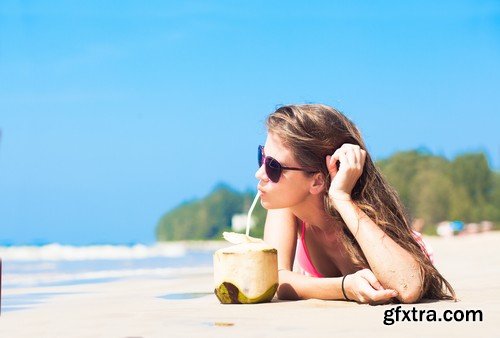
(114, 112)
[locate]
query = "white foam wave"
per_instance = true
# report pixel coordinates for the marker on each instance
(25, 280)
(58, 252)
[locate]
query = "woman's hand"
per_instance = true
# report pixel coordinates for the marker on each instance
(363, 287)
(344, 178)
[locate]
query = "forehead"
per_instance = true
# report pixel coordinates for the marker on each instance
(275, 148)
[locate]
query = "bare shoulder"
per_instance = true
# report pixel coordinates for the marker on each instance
(280, 221)
(280, 231)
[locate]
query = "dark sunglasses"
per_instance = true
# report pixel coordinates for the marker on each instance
(273, 167)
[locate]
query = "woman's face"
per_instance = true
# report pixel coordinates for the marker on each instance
(292, 187)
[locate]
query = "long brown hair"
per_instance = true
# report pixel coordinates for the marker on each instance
(314, 131)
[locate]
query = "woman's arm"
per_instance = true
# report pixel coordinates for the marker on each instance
(281, 232)
(393, 266)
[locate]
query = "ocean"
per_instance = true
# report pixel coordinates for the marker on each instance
(56, 264)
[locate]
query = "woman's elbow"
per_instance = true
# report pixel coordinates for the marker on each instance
(410, 287)
(410, 294)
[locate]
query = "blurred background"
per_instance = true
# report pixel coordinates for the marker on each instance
(121, 120)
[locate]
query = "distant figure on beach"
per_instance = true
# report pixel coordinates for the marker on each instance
(340, 229)
(444, 229)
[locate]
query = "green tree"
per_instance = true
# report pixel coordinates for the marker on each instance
(432, 196)
(461, 205)
(491, 210)
(435, 189)
(400, 170)
(201, 219)
(473, 173)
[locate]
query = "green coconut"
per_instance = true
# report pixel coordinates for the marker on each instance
(230, 294)
(246, 273)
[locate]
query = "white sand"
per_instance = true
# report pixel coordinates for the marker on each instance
(133, 308)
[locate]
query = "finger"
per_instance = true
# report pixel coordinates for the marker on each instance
(363, 157)
(380, 302)
(357, 154)
(357, 151)
(381, 296)
(331, 165)
(339, 155)
(337, 152)
(348, 145)
(351, 155)
(370, 277)
(344, 159)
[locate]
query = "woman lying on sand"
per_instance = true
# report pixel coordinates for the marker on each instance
(332, 213)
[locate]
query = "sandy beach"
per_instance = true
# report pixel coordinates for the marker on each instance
(186, 307)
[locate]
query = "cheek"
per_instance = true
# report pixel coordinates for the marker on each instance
(283, 196)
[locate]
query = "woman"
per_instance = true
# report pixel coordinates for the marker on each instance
(331, 214)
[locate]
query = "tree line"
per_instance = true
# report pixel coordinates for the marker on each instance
(209, 217)
(431, 187)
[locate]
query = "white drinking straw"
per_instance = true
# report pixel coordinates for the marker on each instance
(249, 217)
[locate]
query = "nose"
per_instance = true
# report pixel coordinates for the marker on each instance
(260, 174)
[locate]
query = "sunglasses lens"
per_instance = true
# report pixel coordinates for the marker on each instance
(260, 156)
(273, 169)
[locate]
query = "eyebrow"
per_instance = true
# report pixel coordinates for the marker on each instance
(280, 161)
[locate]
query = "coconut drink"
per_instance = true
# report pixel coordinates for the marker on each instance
(246, 272)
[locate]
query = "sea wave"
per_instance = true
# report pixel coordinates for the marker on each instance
(48, 278)
(59, 252)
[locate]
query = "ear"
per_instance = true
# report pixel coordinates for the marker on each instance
(318, 183)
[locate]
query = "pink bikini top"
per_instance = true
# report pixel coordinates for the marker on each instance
(302, 254)
(304, 259)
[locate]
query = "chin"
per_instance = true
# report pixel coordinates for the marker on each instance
(270, 205)
(265, 204)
